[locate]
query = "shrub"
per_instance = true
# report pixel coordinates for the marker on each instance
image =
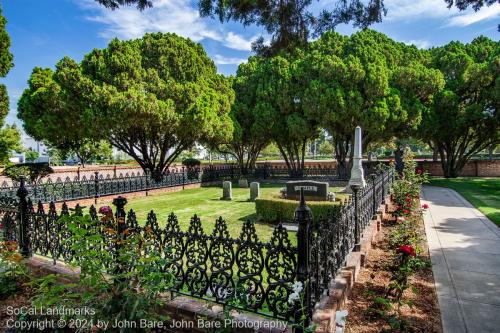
(191, 162)
(274, 209)
(406, 190)
(32, 172)
(13, 272)
(123, 281)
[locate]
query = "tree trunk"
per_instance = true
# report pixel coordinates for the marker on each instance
(435, 154)
(341, 150)
(451, 167)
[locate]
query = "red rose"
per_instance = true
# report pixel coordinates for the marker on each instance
(406, 211)
(425, 206)
(407, 250)
(106, 210)
(1, 226)
(408, 199)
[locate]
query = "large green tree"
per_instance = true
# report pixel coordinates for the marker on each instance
(10, 138)
(251, 128)
(51, 115)
(152, 97)
(367, 80)
(465, 116)
(279, 86)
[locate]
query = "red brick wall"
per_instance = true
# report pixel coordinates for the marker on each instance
(471, 169)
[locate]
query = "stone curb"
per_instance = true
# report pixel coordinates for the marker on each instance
(341, 287)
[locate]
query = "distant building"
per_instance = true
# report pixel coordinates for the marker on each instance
(30, 143)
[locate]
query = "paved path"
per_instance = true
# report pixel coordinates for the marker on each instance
(465, 253)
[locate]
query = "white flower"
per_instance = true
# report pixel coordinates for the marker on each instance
(297, 287)
(295, 295)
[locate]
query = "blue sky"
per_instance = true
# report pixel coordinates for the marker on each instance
(43, 32)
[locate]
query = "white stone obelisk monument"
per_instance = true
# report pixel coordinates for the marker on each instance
(357, 175)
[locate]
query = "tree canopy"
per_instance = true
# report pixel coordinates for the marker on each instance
(291, 22)
(151, 97)
(367, 80)
(464, 118)
(10, 138)
(251, 128)
(115, 4)
(51, 115)
(278, 112)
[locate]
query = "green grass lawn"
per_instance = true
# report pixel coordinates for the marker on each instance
(483, 193)
(206, 203)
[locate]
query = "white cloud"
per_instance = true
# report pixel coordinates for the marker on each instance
(407, 10)
(222, 60)
(234, 41)
(484, 14)
(166, 16)
(412, 9)
(420, 43)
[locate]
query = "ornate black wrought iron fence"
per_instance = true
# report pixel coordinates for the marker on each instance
(8, 217)
(266, 171)
(211, 265)
(96, 186)
(332, 238)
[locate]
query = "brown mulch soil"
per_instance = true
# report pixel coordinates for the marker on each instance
(374, 277)
(21, 298)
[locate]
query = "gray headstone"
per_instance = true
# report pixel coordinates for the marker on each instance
(243, 183)
(227, 190)
(315, 191)
(254, 190)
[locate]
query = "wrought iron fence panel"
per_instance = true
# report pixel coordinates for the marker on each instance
(213, 267)
(9, 218)
(210, 266)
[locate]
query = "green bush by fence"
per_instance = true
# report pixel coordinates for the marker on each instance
(272, 209)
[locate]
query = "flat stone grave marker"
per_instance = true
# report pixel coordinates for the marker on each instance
(314, 191)
(227, 190)
(254, 190)
(243, 183)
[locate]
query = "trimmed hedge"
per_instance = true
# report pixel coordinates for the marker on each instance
(273, 209)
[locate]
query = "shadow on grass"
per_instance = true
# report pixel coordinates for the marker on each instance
(252, 217)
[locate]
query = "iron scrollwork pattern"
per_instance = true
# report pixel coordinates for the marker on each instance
(213, 266)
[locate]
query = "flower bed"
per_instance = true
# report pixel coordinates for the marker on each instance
(396, 290)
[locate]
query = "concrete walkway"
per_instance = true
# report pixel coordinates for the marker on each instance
(465, 253)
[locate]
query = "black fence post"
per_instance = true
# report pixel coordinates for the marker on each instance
(383, 187)
(304, 218)
(183, 177)
(357, 227)
(24, 242)
(96, 186)
(120, 216)
(374, 195)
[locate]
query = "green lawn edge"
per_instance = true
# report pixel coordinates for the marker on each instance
(482, 192)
